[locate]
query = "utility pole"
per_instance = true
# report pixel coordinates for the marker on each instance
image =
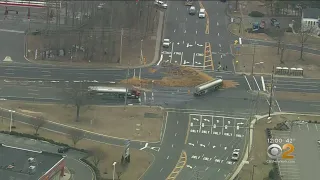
(253, 58)
(120, 59)
(271, 94)
(141, 57)
(126, 95)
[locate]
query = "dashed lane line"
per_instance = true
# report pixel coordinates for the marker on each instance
(179, 166)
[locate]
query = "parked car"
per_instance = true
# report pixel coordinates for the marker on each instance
(63, 149)
(235, 155)
(192, 10)
(275, 22)
(166, 43)
(202, 13)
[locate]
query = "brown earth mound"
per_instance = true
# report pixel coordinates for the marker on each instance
(177, 76)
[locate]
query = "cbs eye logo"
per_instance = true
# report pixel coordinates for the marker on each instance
(274, 151)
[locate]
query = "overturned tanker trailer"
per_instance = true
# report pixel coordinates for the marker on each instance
(207, 87)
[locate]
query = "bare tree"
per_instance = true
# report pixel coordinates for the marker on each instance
(97, 155)
(304, 35)
(78, 95)
(38, 122)
(76, 135)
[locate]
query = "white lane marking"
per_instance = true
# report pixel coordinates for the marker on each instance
(256, 83)
(161, 57)
(185, 31)
(174, 30)
(145, 97)
(218, 34)
(12, 31)
(308, 127)
(278, 105)
(217, 23)
(186, 19)
(172, 145)
(200, 121)
(219, 45)
(171, 52)
(240, 40)
(247, 82)
(161, 169)
(190, 144)
(175, 134)
(145, 146)
(176, 19)
(177, 122)
(181, 60)
(263, 84)
(168, 157)
(193, 58)
(316, 126)
(221, 56)
(196, 32)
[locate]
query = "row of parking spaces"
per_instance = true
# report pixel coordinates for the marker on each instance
(217, 125)
(196, 60)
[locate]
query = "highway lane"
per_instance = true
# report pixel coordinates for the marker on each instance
(295, 84)
(186, 33)
(219, 36)
(303, 107)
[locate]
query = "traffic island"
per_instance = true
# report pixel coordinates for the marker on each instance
(101, 155)
(133, 122)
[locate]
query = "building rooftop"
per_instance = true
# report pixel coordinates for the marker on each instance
(14, 163)
(313, 13)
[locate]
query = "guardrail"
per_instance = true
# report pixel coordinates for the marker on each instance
(289, 71)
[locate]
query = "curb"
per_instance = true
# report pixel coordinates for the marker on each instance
(157, 53)
(251, 128)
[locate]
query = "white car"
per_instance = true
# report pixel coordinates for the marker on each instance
(161, 4)
(166, 43)
(100, 6)
(202, 13)
(235, 155)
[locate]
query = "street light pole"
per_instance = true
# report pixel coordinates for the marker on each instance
(253, 58)
(114, 169)
(120, 58)
(141, 57)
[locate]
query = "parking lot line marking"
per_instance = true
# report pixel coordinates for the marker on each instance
(181, 58)
(211, 124)
(187, 136)
(194, 54)
(247, 82)
(222, 125)
(254, 78)
(316, 126)
(308, 127)
(171, 52)
(200, 123)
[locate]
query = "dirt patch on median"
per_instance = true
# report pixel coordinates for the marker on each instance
(136, 123)
(177, 76)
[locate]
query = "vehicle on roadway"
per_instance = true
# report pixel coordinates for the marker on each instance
(235, 155)
(63, 149)
(208, 86)
(166, 43)
(119, 92)
(202, 13)
(192, 10)
(161, 4)
(189, 2)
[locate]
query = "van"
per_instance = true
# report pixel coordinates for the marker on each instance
(202, 13)
(192, 10)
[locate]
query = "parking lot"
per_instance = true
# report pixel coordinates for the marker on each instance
(306, 151)
(211, 141)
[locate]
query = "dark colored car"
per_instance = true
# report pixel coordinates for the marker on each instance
(275, 22)
(63, 149)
